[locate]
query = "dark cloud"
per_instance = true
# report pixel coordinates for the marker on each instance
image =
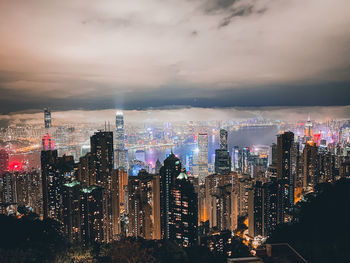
(329, 94)
(132, 54)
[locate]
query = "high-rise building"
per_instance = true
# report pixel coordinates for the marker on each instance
(8, 188)
(235, 159)
(51, 184)
(102, 150)
(266, 207)
(285, 163)
(71, 214)
(47, 118)
(221, 202)
(223, 139)
(120, 151)
(202, 157)
(144, 210)
(311, 167)
(184, 213)
(222, 162)
(92, 210)
(4, 161)
(168, 174)
(29, 190)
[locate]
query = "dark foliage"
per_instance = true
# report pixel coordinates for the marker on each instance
(29, 239)
(321, 228)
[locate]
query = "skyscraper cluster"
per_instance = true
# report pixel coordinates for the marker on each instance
(103, 197)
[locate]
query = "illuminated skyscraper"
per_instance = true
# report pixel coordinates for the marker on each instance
(102, 150)
(285, 164)
(222, 162)
(308, 129)
(168, 174)
(120, 151)
(4, 161)
(223, 139)
(235, 159)
(184, 212)
(144, 213)
(202, 157)
(47, 118)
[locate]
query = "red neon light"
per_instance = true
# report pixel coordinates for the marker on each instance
(15, 166)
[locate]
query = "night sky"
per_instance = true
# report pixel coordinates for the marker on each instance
(95, 55)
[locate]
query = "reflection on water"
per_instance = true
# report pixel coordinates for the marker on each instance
(246, 136)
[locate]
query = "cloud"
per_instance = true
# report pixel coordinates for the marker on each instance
(181, 114)
(60, 52)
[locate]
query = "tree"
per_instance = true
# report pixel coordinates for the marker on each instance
(321, 227)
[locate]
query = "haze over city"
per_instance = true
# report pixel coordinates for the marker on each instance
(192, 131)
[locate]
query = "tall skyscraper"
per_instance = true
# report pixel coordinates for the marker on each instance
(144, 214)
(4, 161)
(184, 213)
(47, 118)
(222, 162)
(266, 207)
(120, 151)
(285, 143)
(202, 157)
(102, 150)
(235, 159)
(71, 216)
(168, 174)
(223, 139)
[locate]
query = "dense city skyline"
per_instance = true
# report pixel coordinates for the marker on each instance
(192, 131)
(198, 53)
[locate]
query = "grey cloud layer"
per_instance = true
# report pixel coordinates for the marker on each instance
(96, 53)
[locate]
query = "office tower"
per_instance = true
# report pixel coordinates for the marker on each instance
(266, 207)
(28, 186)
(285, 163)
(223, 140)
(222, 162)
(120, 151)
(235, 159)
(4, 161)
(47, 143)
(116, 228)
(244, 157)
(168, 174)
(51, 184)
(242, 186)
(158, 166)
(310, 165)
(144, 214)
(92, 215)
(47, 118)
(184, 213)
(255, 210)
(202, 157)
(71, 197)
(327, 168)
(308, 129)
(87, 170)
(220, 201)
(273, 154)
(270, 207)
(8, 189)
(123, 183)
(102, 150)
